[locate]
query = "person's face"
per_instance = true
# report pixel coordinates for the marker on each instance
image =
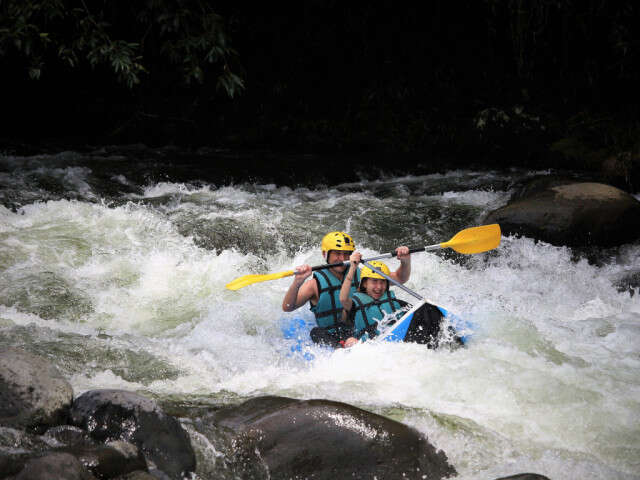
(375, 287)
(335, 256)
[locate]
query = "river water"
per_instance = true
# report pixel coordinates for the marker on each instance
(115, 269)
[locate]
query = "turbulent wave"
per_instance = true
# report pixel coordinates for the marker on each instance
(120, 278)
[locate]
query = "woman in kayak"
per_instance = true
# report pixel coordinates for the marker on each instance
(370, 303)
(373, 301)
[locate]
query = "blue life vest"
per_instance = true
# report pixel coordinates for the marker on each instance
(328, 310)
(367, 312)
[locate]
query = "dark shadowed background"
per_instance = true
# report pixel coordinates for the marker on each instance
(538, 83)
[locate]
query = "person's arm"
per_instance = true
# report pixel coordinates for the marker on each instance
(300, 291)
(345, 290)
(403, 272)
(345, 298)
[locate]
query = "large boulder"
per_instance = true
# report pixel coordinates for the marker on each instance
(576, 214)
(109, 415)
(322, 439)
(58, 465)
(33, 394)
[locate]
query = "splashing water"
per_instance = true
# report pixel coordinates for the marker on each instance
(122, 282)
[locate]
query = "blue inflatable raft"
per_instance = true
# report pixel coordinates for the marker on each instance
(296, 330)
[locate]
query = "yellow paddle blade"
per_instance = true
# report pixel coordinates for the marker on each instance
(240, 282)
(475, 239)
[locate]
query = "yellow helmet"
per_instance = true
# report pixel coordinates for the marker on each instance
(366, 272)
(337, 241)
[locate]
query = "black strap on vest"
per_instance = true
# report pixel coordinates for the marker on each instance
(330, 289)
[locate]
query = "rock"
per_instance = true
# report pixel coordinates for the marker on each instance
(629, 283)
(33, 394)
(13, 440)
(323, 439)
(55, 465)
(576, 214)
(11, 464)
(17, 447)
(110, 460)
(68, 435)
(137, 475)
(524, 476)
(539, 184)
(110, 415)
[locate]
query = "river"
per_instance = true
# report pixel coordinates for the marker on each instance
(115, 269)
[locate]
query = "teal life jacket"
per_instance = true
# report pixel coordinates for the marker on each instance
(328, 310)
(367, 312)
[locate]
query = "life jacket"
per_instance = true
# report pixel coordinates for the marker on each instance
(366, 312)
(328, 310)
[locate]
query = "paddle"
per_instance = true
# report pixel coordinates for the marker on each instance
(395, 282)
(467, 241)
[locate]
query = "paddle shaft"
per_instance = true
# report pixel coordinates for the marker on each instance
(384, 255)
(467, 241)
(395, 282)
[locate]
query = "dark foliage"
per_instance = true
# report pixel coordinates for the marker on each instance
(331, 76)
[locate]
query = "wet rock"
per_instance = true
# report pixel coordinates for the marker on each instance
(11, 463)
(108, 461)
(629, 283)
(12, 440)
(323, 439)
(577, 214)
(138, 475)
(524, 476)
(110, 415)
(103, 461)
(16, 447)
(539, 184)
(55, 465)
(33, 394)
(68, 435)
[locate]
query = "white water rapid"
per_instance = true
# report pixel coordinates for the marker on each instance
(122, 284)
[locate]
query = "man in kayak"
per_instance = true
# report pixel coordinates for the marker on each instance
(323, 291)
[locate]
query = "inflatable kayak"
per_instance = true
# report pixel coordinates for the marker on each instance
(424, 323)
(296, 334)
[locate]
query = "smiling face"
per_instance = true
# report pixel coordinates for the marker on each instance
(375, 287)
